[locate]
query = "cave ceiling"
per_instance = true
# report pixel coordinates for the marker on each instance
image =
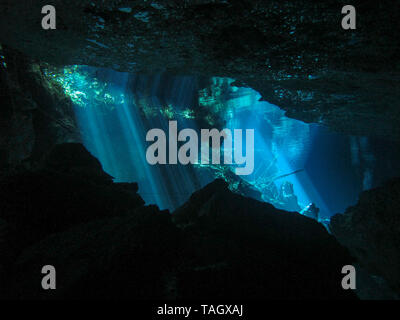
(294, 53)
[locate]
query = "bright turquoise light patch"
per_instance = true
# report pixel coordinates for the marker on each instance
(84, 88)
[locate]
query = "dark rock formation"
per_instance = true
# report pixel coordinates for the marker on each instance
(294, 53)
(105, 243)
(53, 199)
(73, 158)
(246, 248)
(371, 231)
(35, 113)
(126, 257)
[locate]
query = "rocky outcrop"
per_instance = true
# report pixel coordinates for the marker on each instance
(294, 53)
(35, 204)
(371, 231)
(243, 247)
(105, 243)
(35, 113)
(125, 257)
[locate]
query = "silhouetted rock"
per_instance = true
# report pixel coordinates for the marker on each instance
(71, 188)
(371, 231)
(74, 159)
(126, 257)
(35, 115)
(246, 248)
(222, 245)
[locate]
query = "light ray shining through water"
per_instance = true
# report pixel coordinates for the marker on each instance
(115, 110)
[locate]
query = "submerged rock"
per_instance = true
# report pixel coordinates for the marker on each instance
(71, 188)
(125, 257)
(245, 248)
(36, 114)
(74, 159)
(104, 243)
(371, 232)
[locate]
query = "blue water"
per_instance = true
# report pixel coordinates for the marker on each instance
(334, 168)
(117, 138)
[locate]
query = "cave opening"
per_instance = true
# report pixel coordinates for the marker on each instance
(297, 165)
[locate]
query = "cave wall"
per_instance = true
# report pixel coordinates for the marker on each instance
(371, 232)
(36, 113)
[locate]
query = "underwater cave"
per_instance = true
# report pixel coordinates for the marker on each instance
(296, 164)
(77, 190)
